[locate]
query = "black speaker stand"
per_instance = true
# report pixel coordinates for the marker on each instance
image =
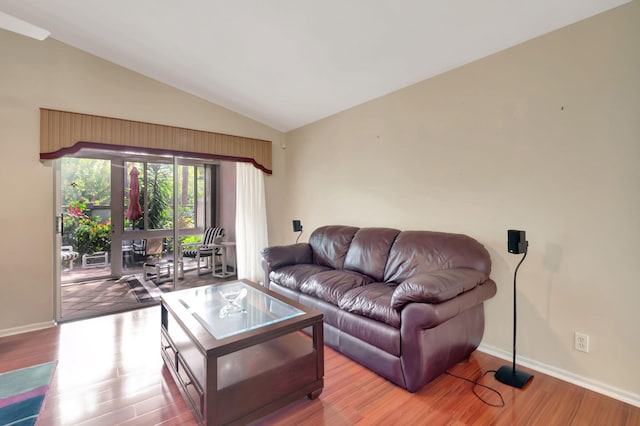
(508, 375)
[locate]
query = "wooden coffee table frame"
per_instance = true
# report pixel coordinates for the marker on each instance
(259, 382)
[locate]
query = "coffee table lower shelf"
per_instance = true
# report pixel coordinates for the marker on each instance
(238, 385)
(257, 390)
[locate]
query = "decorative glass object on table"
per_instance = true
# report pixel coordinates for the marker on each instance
(234, 299)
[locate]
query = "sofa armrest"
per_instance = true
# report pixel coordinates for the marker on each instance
(436, 287)
(279, 256)
(418, 316)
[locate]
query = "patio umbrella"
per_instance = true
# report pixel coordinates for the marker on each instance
(134, 212)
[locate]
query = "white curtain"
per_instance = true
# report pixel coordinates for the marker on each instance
(251, 222)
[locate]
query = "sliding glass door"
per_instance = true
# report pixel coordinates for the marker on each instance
(147, 215)
(126, 216)
(148, 208)
(85, 211)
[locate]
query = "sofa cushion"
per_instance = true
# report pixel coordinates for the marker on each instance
(369, 251)
(293, 276)
(330, 286)
(372, 301)
(330, 244)
(436, 287)
(419, 252)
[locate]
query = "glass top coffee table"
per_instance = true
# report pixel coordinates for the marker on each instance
(233, 308)
(237, 352)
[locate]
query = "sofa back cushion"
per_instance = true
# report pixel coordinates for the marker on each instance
(417, 252)
(369, 251)
(330, 244)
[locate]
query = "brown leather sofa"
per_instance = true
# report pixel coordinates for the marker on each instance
(407, 305)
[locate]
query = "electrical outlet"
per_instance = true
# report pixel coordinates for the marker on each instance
(581, 342)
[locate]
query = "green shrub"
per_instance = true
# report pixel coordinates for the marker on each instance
(85, 235)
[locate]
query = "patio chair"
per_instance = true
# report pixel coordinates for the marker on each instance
(142, 249)
(204, 250)
(127, 253)
(67, 253)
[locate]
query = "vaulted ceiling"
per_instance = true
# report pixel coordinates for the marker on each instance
(288, 63)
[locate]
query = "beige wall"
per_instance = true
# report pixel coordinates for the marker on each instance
(543, 137)
(50, 74)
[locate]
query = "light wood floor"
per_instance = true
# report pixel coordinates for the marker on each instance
(110, 373)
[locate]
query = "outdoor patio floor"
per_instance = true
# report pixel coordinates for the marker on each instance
(89, 296)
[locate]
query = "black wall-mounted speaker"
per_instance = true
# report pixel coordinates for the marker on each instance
(516, 241)
(297, 226)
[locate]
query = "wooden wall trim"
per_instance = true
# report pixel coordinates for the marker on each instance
(63, 133)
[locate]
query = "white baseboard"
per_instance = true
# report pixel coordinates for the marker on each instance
(27, 328)
(593, 385)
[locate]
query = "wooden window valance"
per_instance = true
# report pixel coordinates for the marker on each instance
(63, 133)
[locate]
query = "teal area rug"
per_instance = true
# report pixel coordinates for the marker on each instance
(22, 393)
